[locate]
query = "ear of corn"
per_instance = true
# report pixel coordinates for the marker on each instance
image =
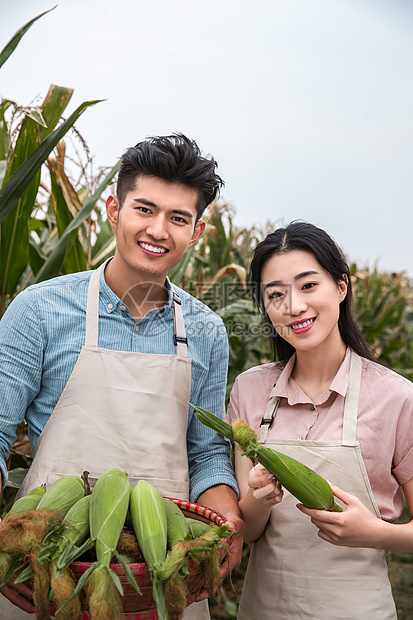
(108, 507)
(305, 484)
(149, 520)
(177, 527)
(62, 494)
(28, 502)
(61, 545)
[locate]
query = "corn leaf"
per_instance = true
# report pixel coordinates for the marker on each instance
(75, 259)
(16, 38)
(14, 188)
(14, 250)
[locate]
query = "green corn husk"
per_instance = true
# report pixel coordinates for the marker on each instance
(196, 528)
(305, 484)
(176, 524)
(28, 502)
(62, 494)
(108, 508)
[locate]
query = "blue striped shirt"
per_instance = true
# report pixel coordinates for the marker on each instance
(41, 335)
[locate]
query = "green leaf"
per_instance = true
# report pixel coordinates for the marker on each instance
(14, 188)
(15, 40)
(14, 246)
(26, 574)
(15, 564)
(75, 259)
(37, 116)
(128, 572)
(231, 609)
(4, 135)
(116, 581)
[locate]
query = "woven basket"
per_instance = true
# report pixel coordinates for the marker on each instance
(136, 607)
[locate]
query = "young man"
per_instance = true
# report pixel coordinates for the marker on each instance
(103, 364)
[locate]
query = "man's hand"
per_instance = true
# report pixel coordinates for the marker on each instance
(20, 595)
(236, 525)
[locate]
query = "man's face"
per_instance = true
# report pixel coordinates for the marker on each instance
(154, 227)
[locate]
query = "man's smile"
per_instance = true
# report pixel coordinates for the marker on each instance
(154, 249)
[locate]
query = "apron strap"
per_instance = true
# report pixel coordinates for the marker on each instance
(268, 419)
(351, 402)
(350, 406)
(92, 309)
(180, 339)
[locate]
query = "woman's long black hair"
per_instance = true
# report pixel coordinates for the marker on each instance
(308, 238)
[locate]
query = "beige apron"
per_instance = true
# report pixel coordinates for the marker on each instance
(119, 409)
(293, 574)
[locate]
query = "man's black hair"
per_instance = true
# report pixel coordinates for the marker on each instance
(174, 158)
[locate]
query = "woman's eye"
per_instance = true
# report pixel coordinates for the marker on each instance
(275, 295)
(309, 285)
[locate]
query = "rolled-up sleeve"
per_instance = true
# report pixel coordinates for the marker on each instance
(21, 345)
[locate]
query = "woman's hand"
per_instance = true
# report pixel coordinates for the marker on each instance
(355, 527)
(264, 487)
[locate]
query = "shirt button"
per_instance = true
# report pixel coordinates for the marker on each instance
(136, 328)
(312, 408)
(110, 306)
(299, 438)
(123, 308)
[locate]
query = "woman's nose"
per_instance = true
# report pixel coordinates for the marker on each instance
(295, 303)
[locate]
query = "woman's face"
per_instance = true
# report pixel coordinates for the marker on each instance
(302, 300)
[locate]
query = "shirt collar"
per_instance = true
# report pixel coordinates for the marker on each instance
(287, 388)
(113, 301)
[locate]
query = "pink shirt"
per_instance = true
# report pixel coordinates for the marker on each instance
(384, 425)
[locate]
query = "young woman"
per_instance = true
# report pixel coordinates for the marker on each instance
(330, 406)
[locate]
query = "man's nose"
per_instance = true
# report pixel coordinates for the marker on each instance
(157, 227)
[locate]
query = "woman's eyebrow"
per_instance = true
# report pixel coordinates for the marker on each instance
(299, 276)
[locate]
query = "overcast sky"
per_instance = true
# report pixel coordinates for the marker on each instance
(307, 105)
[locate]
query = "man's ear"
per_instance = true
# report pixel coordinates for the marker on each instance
(112, 211)
(198, 230)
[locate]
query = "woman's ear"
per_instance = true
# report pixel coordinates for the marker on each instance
(343, 287)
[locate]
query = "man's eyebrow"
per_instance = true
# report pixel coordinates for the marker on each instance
(148, 203)
(299, 276)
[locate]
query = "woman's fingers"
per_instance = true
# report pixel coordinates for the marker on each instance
(265, 488)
